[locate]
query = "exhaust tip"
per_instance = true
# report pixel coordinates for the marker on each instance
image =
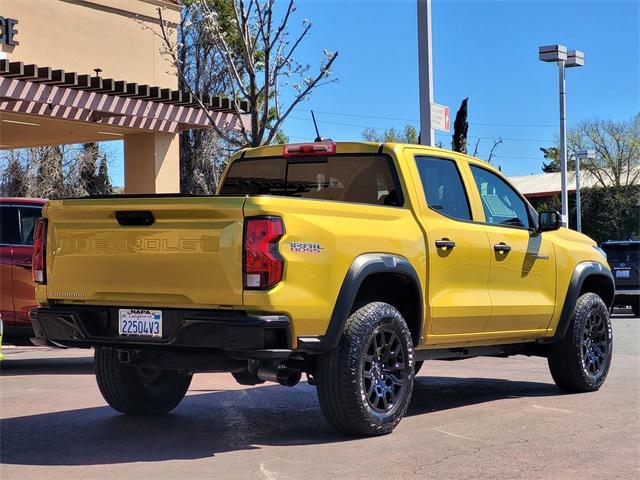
(288, 377)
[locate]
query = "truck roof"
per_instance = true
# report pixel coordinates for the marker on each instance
(23, 200)
(357, 147)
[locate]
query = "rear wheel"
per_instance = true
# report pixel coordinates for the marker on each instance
(138, 391)
(581, 361)
(364, 385)
(417, 366)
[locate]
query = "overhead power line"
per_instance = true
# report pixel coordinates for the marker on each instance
(506, 139)
(413, 120)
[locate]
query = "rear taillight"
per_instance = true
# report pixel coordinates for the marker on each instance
(263, 264)
(39, 251)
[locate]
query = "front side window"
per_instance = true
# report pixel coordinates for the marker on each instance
(501, 204)
(443, 187)
(28, 217)
(367, 179)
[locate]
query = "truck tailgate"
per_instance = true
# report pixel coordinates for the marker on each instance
(189, 256)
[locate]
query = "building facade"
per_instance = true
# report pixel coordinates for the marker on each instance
(76, 71)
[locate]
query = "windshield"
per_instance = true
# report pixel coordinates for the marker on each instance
(367, 179)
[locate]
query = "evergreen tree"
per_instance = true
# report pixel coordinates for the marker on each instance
(460, 129)
(104, 186)
(88, 167)
(15, 182)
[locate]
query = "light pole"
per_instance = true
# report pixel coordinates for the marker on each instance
(425, 73)
(574, 58)
(583, 154)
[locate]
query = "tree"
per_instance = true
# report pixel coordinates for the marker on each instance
(460, 129)
(15, 182)
(103, 183)
(88, 166)
(203, 152)
(552, 154)
(49, 179)
(391, 135)
(610, 209)
(258, 54)
(616, 146)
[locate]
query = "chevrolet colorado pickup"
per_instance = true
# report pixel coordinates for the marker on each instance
(350, 262)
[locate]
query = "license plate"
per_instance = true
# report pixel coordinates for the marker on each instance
(140, 322)
(622, 273)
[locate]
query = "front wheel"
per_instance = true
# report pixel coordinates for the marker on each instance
(365, 384)
(581, 360)
(136, 390)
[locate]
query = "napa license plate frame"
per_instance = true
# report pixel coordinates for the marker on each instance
(139, 322)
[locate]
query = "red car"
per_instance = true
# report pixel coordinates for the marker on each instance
(17, 294)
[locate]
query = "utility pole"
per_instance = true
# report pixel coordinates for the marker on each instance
(427, 136)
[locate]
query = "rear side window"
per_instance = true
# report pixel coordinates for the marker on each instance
(8, 225)
(501, 204)
(28, 217)
(443, 187)
(369, 179)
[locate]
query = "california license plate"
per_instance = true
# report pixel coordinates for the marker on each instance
(140, 322)
(622, 273)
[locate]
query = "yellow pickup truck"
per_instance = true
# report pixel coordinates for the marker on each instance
(350, 262)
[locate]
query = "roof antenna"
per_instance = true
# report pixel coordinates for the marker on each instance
(318, 137)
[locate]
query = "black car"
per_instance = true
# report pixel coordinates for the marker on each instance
(624, 259)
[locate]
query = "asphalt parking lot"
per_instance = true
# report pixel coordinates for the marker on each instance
(479, 418)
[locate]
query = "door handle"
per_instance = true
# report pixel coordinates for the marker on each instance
(445, 244)
(502, 247)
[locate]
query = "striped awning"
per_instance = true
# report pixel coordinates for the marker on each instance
(44, 91)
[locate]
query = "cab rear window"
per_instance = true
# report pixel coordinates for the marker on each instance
(369, 179)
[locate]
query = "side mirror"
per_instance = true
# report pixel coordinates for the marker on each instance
(548, 221)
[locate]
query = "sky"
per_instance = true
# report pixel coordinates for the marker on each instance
(484, 50)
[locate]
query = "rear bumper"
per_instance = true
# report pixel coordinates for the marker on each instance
(632, 292)
(233, 334)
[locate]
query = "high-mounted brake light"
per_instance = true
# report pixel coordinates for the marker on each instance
(39, 251)
(263, 264)
(309, 149)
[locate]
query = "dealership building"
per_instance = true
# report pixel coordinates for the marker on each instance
(78, 71)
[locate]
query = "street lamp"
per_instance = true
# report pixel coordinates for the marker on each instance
(581, 155)
(573, 58)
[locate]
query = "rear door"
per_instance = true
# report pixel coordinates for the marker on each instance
(23, 286)
(522, 280)
(458, 251)
(8, 235)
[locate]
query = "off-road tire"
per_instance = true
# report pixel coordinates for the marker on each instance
(340, 373)
(135, 391)
(569, 359)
